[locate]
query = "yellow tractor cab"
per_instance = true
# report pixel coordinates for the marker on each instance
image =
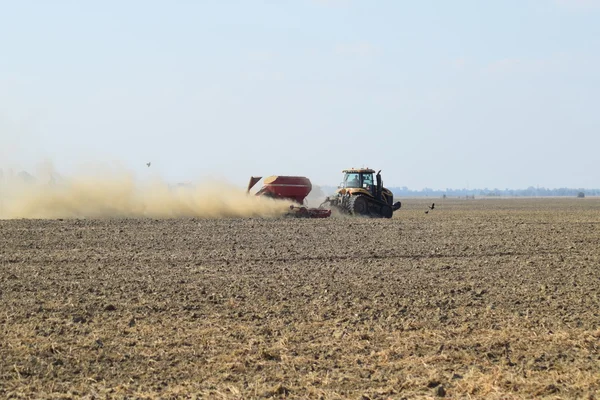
(358, 179)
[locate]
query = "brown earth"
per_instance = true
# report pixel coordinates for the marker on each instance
(478, 298)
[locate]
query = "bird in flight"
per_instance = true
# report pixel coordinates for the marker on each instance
(148, 164)
(431, 207)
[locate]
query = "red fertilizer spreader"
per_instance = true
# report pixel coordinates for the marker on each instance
(293, 188)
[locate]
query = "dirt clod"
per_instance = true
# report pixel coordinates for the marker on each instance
(440, 391)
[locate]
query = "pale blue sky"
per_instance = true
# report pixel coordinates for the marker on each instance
(437, 94)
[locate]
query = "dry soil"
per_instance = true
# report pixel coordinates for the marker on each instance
(476, 299)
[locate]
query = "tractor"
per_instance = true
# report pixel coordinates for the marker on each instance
(360, 194)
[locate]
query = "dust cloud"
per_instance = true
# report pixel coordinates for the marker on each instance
(120, 195)
(315, 197)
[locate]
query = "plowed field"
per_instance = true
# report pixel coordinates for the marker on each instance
(479, 298)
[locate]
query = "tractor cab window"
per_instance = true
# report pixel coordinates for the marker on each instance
(352, 180)
(367, 180)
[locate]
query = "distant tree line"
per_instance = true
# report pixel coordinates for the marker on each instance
(529, 192)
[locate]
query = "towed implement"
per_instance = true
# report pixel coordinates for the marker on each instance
(360, 195)
(293, 188)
